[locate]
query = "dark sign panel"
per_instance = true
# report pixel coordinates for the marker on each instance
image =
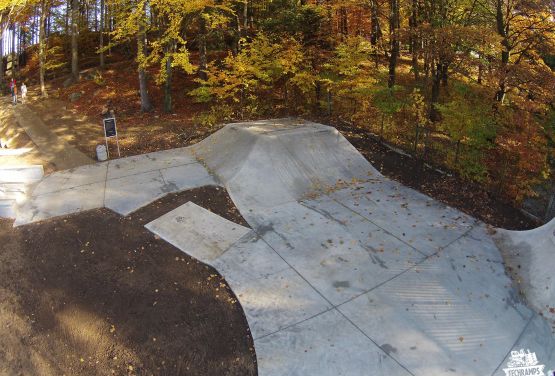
(110, 127)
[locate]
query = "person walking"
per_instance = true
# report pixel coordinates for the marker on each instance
(23, 93)
(13, 88)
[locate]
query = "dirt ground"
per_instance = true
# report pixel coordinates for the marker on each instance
(98, 294)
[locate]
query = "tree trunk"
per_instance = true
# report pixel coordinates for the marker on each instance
(74, 36)
(42, 48)
(13, 51)
(436, 81)
(375, 29)
(394, 41)
(146, 105)
(202, 49)
(101, 34)
(1, 50)
(503, 31)
(414, 38)
(245, 15)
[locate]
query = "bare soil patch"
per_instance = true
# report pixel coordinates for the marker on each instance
(98, 294)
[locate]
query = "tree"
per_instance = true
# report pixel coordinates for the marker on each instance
(74, 40)
(42, 46)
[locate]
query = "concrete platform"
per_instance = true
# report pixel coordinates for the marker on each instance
(201, 233)
(122, 185)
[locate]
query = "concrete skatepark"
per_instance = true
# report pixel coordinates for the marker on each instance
(343, 271)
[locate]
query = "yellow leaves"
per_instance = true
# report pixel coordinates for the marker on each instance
(181, 60)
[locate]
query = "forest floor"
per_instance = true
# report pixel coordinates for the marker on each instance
(79, 123)
(98, 294)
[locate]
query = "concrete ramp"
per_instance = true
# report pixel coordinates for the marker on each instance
(530, 259)
(290, 158)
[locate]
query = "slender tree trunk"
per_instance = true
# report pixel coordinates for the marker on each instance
(1, 50)
(13, 51)
(42, 48)
(146, 105)
(168, 86)
(202, 49)
(414, 39)
(101, 34)
(375, 31)
(394, 41)
(67, 17)
(245, 15)
(74, 36)
(436, 81)
(503, 31)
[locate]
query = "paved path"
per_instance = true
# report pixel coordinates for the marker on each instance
(123, 185)
(53, 149)
(344, 271)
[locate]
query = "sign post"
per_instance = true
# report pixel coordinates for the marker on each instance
(111, 131)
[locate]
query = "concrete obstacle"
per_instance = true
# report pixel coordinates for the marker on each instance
(290, 158)
(530, 259)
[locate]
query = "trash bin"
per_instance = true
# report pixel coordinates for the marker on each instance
(101, 153)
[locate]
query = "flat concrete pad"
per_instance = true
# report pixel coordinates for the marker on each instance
(327, 345)
(127, 194)
(197, 231)
(339, 265)
(126, 185)
(68, 201)
(75, 177)
(272, 294)
(454, 313)
(410, 216)
(534, 339)
(159, 160)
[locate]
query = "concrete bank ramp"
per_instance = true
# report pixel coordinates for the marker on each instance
(530, 258)
(288, 158)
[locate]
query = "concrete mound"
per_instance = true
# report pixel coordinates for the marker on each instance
(530, 258)
(290, 158)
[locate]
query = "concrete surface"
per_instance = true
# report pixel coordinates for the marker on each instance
(122, 185)
(203, 234)
(530, 257)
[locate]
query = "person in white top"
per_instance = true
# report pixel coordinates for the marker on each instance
(23, 92)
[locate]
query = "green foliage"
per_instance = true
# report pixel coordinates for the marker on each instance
(388, 101)
(288, 17)
(469, 122)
